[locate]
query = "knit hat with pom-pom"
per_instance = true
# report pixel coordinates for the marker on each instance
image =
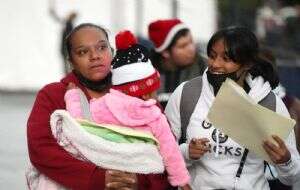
(132, 70)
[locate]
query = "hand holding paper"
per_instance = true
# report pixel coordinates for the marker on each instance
(246, 122)
(278, 154)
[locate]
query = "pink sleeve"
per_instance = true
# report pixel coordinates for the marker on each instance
(73, 105)
(173, 160)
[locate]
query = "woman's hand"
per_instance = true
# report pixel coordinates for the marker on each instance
(198, 147)
(278, 154)
(115, 179)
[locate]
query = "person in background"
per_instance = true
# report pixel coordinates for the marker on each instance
(68, 25)
(90, 55)
(175, 54)
(292, 28)
(214, 160)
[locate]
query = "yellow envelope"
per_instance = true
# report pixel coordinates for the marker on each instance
(246, 122)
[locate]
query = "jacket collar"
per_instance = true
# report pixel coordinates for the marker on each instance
(71, 77)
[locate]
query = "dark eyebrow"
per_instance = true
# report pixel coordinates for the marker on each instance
(102, 41)
(99, 42)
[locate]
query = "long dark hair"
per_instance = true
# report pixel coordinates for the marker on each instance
(242, 47)
(67, 40)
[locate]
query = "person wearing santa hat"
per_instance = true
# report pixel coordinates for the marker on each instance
(175, 54)
(129, 104)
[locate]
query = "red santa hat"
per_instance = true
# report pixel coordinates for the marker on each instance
(162, 32)
(132, 70)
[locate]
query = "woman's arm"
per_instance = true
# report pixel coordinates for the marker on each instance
(297, 132)
(288, 170)
(47, 156)
(288, 167)
(53, 161)
(295, 114)
(190, 151)
(173, 113)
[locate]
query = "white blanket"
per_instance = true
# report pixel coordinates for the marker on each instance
(136, 157)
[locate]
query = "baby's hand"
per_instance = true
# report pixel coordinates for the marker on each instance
(71, 86)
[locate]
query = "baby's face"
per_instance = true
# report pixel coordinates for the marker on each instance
(152, 95)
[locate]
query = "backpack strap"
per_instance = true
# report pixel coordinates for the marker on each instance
(190, 94)
(85, 106)
(269, 101)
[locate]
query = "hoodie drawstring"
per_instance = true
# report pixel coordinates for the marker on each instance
(218, 143)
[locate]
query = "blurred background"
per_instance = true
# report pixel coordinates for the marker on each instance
(31, 56)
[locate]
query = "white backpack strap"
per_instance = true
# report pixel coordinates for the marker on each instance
(85, 106)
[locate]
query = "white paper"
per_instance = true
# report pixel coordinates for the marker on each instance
(246, 122)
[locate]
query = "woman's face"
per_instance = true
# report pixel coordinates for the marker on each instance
(90, 53)
(151, 95)
(183, 52)
(219, 62)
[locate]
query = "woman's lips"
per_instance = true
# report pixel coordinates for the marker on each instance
(98, 67)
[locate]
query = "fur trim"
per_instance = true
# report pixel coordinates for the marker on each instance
(259, 89)
(170, 36)
(124, 74)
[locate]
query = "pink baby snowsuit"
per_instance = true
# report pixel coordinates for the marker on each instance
(121, 109)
